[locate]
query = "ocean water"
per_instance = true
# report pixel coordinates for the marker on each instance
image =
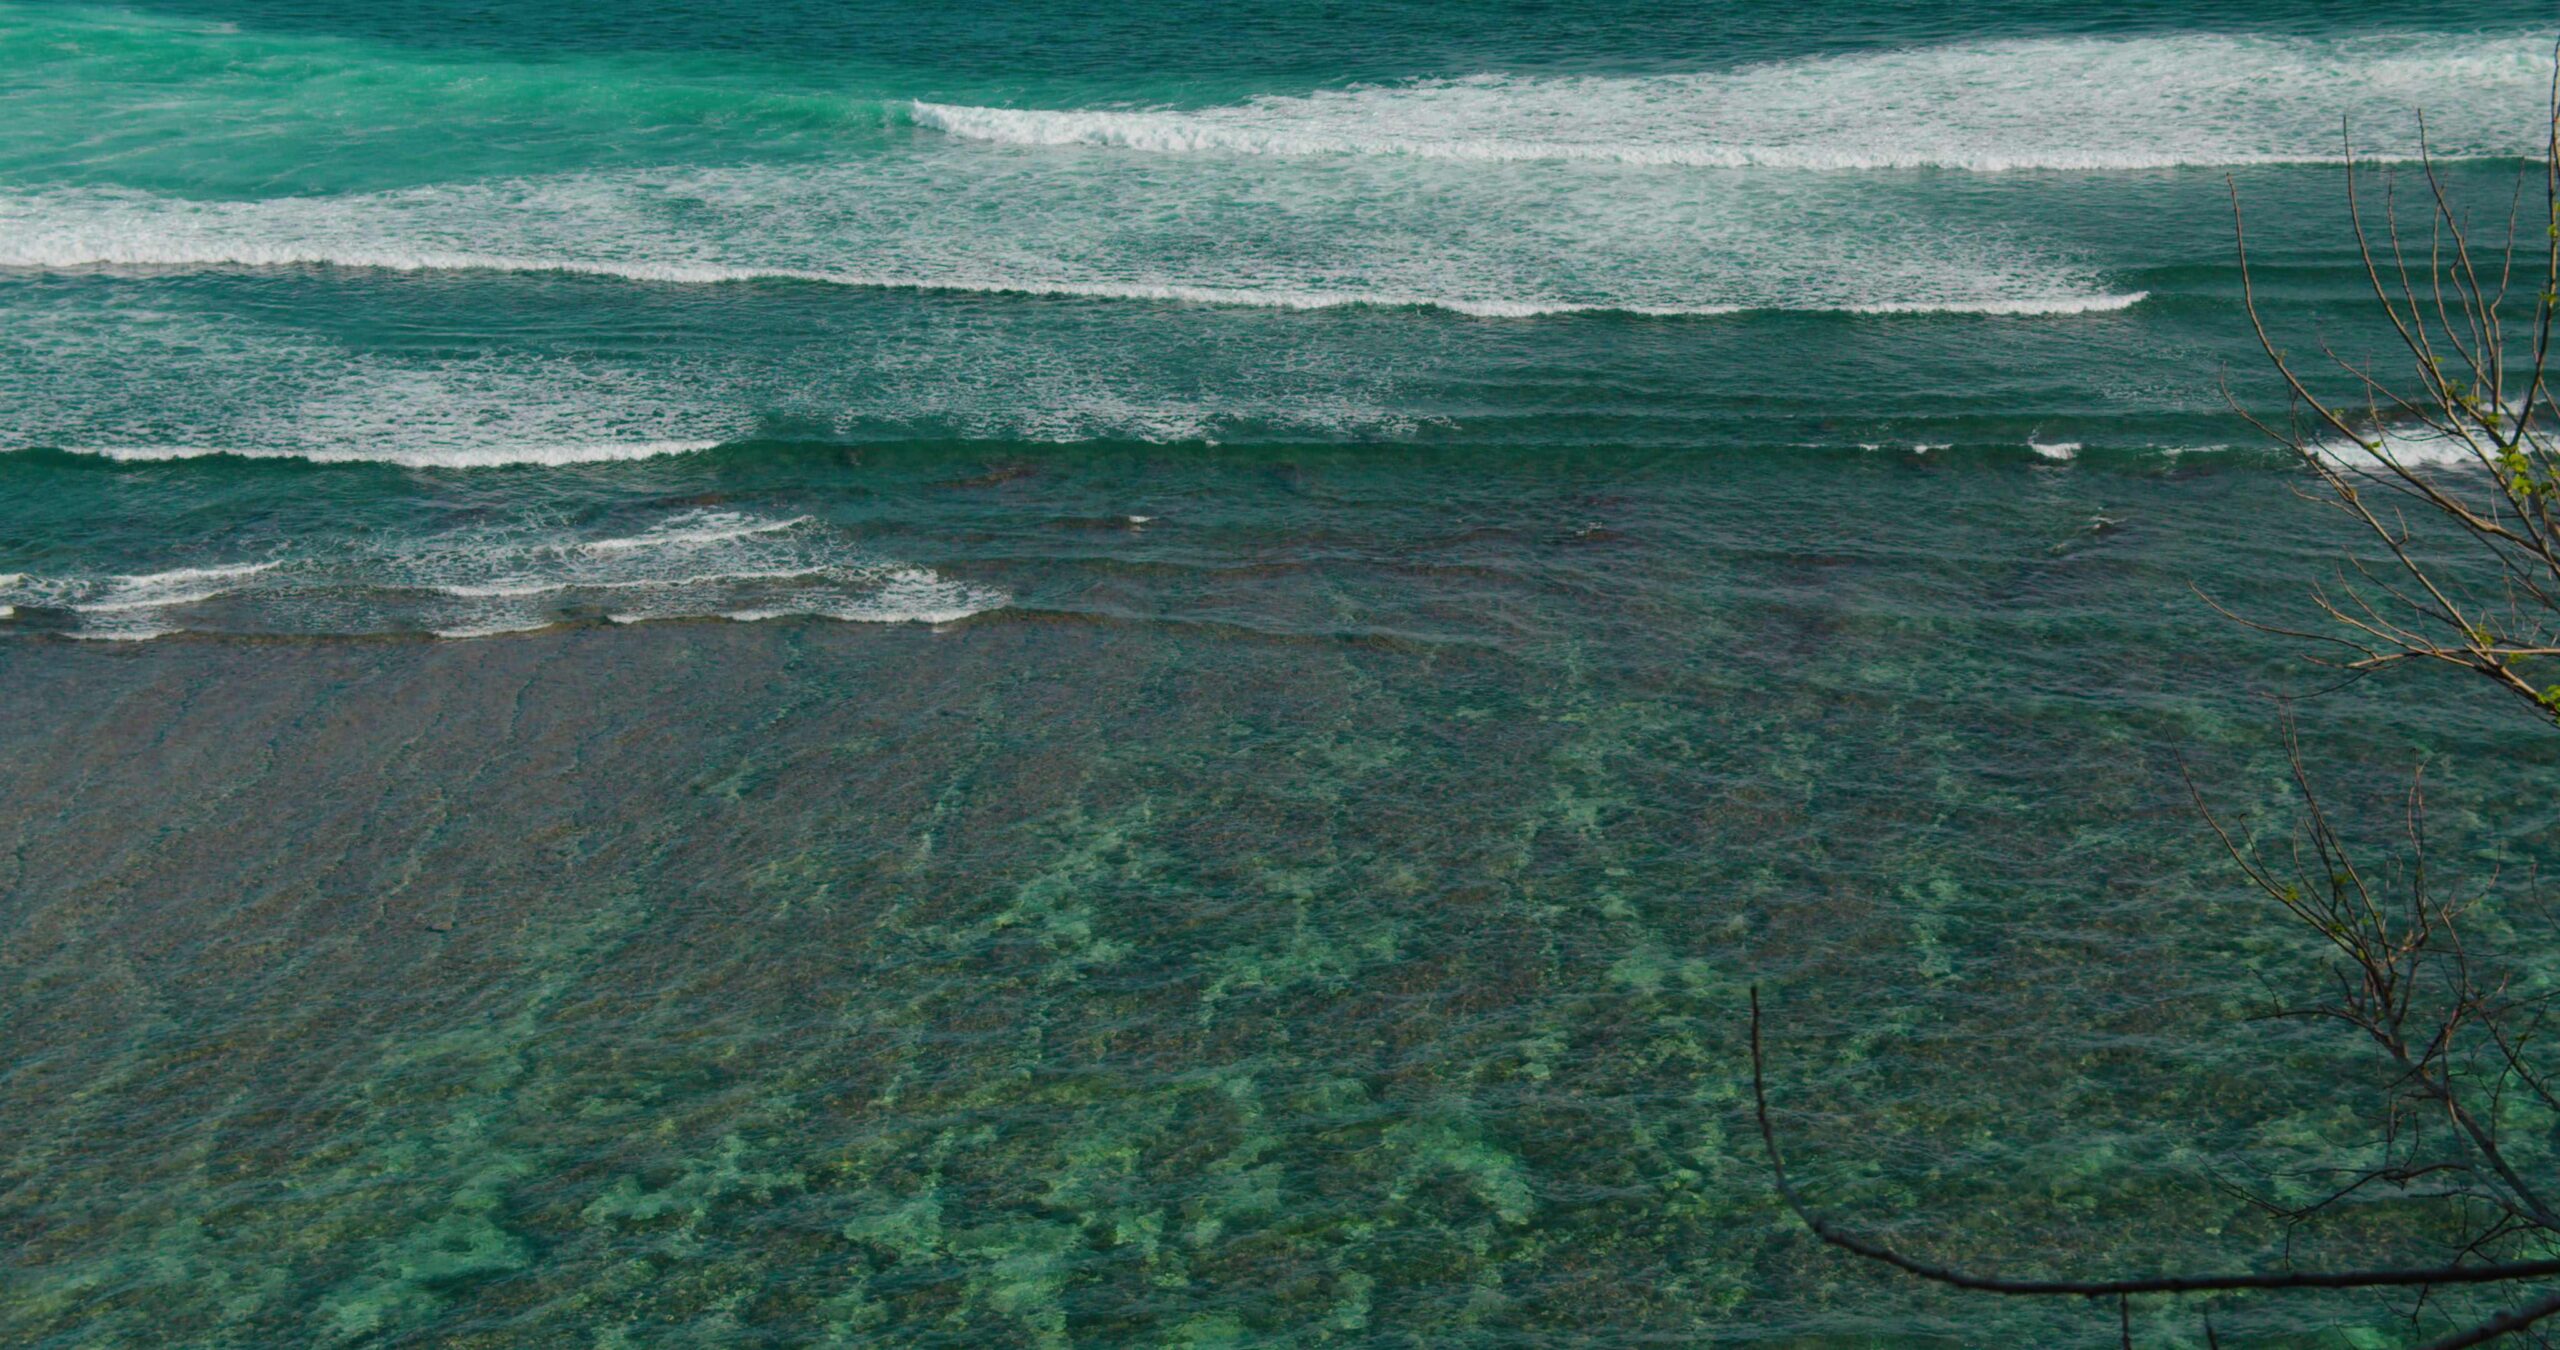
(1000, 674)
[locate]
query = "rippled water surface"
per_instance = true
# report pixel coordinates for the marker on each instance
(799, 674)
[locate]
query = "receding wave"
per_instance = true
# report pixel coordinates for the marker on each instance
(2052, 104)
(487, 580)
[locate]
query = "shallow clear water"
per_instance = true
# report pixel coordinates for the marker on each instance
(997, 676)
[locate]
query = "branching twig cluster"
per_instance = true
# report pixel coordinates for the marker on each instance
(2467, 440)
(2455, 1034)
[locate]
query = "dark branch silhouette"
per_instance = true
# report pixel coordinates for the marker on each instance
(1873, 1250)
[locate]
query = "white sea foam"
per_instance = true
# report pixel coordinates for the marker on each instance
(1403, 198)
(160, 590)
(2410, 446)
(186, 576)
(493, 630)
(920, 595)
(157, 602)
(208, 383)
(1487, 241)
(2054, 104)
(1280, 297)
(130, 606)
(2055, 450)
(218, 385)
(491, 580)
(498, 455)
(712, 528)
(120, 634)
(891, 595)
(522, 590)
(1512, 246)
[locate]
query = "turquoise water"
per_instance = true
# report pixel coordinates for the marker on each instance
(797, 674)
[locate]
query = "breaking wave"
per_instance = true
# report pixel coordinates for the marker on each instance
(2049, 104)
(484, 581)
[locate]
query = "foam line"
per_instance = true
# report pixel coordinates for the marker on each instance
(690, 274)
(494, 456)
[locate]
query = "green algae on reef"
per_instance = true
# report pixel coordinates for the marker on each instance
(1088, 973)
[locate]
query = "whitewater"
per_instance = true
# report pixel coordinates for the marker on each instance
(487, 580)
(1357, 260)
(2054, 104)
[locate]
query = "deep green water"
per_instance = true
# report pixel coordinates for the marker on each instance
(984, 675)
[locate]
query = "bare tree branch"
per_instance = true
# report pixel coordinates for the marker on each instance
(1873, 1250)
